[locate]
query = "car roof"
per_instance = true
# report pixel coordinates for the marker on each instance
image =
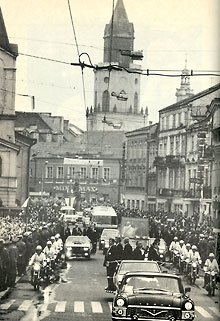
(135, 261)
(152, 274)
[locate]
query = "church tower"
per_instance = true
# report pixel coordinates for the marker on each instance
(117, 92)
(184, 91)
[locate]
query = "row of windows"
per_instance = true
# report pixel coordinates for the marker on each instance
(135, 204)
(174, 121)
(81, 173)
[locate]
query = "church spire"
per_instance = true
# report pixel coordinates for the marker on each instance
(118, 36)
(4, 42)
(184, 91)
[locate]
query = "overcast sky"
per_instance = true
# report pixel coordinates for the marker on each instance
(166, 30)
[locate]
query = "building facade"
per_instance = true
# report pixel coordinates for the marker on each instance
(140, 179)
(117, 92)
(90, 178)
(183, 162)
(8, 147)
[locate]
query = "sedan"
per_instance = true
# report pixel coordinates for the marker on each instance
(133, 266)
(107, 233)
(152, 296)
(77, 246)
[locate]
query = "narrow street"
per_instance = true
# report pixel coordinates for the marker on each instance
(80, 295)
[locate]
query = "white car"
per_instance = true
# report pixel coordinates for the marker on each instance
(77, 246)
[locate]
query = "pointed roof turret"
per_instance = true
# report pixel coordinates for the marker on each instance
(4, 42)
(120, 14)
(118, 36)
(184, 91)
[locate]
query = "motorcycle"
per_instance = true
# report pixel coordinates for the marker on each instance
(48, 272)
(193, 272)
(36, 277)
(182, 264)
(211, 285)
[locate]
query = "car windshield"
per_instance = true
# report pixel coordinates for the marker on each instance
(110, 233)
(138, 266)
(77, 239)
(152, 283)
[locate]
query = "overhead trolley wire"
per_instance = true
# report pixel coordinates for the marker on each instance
(82, 65)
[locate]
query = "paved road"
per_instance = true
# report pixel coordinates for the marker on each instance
(81, 296)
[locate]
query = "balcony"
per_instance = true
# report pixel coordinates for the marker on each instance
(171, 192)
(172, 160)
(159, 161)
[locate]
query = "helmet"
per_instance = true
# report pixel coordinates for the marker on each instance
(202, 235)
(57, 236)
(175, 238)
(39, 248)
(194, 247)
(181, 242)
(211, 255)
(188, 245)
(52, 238)
(49, 243)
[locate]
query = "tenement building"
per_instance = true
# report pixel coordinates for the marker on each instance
(183, 162)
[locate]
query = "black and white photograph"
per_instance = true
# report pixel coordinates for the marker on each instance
(109, 160)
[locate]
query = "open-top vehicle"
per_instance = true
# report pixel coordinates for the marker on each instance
(133, 266)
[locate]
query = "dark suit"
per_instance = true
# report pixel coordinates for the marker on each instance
(118, 252)
(153, 255)
(127, 252)
(137, 254)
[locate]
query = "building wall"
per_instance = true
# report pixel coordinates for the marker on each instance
(8, 155)
(8, 180)
(98, 179)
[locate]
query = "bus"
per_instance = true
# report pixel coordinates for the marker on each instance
(104, 217)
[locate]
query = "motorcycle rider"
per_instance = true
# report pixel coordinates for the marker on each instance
(59, 245)
(37, 257)
(209, 266)
(174, 245)
(194, 257)
(54, 246)
(48, 251)
(186, 252)
(174, 248)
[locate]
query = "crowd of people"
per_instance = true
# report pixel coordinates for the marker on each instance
(34, 226)
(20, 235)
(167, 225)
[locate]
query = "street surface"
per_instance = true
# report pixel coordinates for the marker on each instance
(80, 296)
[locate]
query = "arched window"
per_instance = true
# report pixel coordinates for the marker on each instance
(105, 101)
(135, 103)
(0, 166)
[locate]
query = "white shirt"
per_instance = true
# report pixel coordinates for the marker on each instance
(37, 258)
(211, 266)
(174, 246)
(194, 257)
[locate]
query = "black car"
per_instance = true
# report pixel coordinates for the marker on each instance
(152, 296)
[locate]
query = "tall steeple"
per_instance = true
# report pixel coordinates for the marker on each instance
(184, 91)
(4, 42)
(118, 35)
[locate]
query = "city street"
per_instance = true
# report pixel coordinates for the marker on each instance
(80, 295)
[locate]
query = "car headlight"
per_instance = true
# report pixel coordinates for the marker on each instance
(85, 248)
(120, 302)
(188, 305)
(68, 248)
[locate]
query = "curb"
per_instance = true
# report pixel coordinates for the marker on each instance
(4, 293)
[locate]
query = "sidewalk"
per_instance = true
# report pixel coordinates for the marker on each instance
(4, 293)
